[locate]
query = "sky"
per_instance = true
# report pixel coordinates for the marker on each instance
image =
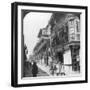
(33, 22)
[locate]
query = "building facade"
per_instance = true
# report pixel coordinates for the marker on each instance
(66, 40)
(59, 41)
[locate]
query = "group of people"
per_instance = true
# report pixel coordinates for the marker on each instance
(33, 68)
(56, 69)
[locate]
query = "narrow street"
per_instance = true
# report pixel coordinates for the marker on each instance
(44, 71)
(28, 72)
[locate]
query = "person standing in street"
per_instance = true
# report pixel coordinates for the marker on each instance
(57, 69)
(34, 69)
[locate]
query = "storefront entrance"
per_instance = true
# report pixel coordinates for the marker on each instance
(59, 56)
(75, 57)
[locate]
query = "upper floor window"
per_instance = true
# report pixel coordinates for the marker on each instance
(77, 26)
(71, 21)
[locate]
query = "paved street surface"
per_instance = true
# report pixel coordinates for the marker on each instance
(44, 71)
(28, 72)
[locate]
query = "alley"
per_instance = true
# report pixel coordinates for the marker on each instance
(28, 72)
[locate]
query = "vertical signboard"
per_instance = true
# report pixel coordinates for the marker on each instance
(71, 30)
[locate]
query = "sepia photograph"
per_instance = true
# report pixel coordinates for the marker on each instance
(51, 44)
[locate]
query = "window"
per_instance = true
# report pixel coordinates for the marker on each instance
(78, 36)
(77, 26)
(71, 22)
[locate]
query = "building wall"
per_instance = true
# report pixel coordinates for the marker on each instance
(64, 31)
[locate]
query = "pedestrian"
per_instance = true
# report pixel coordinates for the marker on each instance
(34, 69)
(52, 68)
(57, 69)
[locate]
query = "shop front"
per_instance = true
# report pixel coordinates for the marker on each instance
(71, 57)
(68, 57)
(67, 60)
(75, 54)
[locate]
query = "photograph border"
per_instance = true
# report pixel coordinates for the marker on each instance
(14, 42)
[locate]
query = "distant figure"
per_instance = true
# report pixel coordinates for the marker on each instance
(34, 69)
(57, 69)
(52, 68)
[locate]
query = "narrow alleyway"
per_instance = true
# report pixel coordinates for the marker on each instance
(45, 71)
(28, 72)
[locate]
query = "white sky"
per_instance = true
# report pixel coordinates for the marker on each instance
(33, 22)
